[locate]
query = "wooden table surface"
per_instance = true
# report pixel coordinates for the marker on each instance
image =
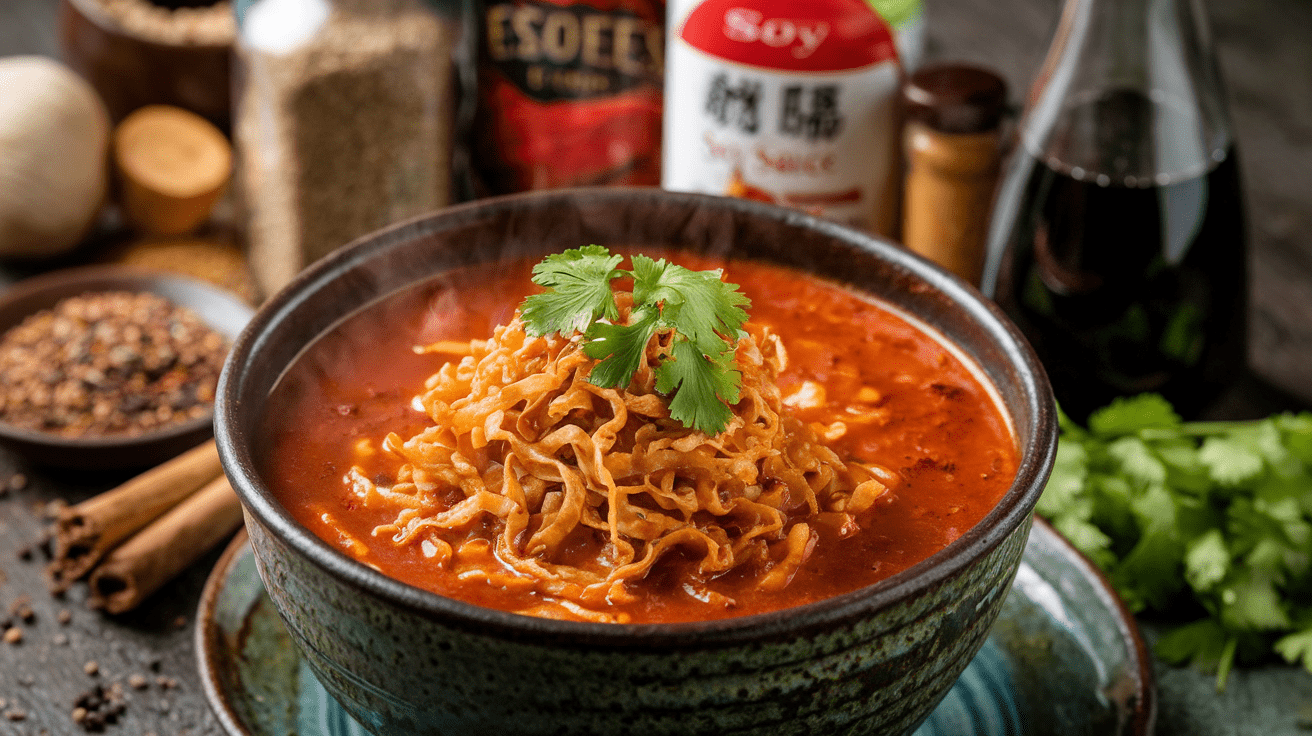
(1265, 48)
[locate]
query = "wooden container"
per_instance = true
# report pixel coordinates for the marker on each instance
(171, 166)
(130, 70)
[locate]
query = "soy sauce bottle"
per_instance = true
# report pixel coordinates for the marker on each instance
(1117, 241)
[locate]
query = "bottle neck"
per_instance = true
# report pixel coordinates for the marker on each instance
(1129, 90)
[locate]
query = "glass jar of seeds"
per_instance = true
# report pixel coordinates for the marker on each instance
(343, 123)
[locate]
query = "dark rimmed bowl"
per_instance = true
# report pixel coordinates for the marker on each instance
(224, 312)
(406, 661)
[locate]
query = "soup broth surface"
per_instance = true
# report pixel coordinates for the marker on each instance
(934, 425)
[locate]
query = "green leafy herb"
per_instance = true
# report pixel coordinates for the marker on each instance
(1213, 518)
(578, 291)
(705, 314)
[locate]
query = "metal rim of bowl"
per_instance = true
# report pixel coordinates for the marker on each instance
(80, 279)
(1011, 511)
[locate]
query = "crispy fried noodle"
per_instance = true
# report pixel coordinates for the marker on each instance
(526, 459)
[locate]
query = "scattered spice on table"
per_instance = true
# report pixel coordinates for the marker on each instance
(99, 706)
(109, 363)
(42, 545)
(22, 608)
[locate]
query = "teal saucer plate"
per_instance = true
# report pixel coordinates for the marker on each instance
(1063, 659)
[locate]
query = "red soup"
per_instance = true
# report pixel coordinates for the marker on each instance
(866, 382)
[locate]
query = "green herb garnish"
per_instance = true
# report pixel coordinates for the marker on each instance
(1212, 516)
(705, 313)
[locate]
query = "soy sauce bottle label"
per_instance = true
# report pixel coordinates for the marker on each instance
(784, 102)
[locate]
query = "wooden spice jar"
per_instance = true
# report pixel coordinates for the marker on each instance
(953, 149)
(152, 52)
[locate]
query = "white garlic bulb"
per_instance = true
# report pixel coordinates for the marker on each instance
(54, 138)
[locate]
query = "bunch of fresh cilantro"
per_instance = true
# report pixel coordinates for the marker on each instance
(704, 314)
(1207, 523)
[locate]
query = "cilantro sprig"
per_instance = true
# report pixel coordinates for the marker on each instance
(705, 314)
(1209, 517)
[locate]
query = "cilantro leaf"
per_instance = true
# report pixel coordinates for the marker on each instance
(620, 348)
(1297, 431)
(698, 304)
(1270, 558)
(1206, 561)
(1137, 461)
(704, 384)
(578, 291)
(1113, 512)
(1249, 600)
(1297, 647)
(705, 313)
(1229, 462)
(1155, 508)
(1149, 576)
(1127, 415)
(1087, 538)
(1280, 485)
(1200, 644)
(1262, 438)
(1184, 471)
(1217, 511)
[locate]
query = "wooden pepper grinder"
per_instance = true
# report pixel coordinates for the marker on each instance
(952, 145)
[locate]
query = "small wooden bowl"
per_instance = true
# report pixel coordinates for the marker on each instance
(130, 71)
(225, 313)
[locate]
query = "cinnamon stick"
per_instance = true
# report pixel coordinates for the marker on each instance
(164, 548)
(86, 532)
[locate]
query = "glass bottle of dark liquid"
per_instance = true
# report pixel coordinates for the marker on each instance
(1118, 241)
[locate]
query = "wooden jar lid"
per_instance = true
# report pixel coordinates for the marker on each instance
(172, 166)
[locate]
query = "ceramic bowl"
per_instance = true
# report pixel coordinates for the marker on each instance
(222, 311)
(405, 661)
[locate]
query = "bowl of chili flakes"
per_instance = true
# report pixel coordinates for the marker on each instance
(111, 367)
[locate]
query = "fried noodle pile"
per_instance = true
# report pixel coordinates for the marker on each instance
(526, 459)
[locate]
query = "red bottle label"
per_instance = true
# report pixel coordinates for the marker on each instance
(815, 36)
(569, 93)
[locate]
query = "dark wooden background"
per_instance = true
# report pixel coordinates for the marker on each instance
(1265, 48)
